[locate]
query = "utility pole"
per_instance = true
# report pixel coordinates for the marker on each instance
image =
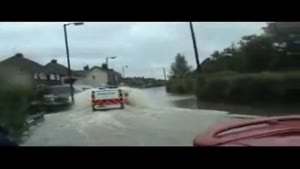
(164, 71)
(123, 70)
(68, 57)
(69, 65)
(108, 71)
(195, 47)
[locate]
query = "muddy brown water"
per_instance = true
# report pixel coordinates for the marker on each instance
(153, 118)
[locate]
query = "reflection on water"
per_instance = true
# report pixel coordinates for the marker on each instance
(261, 110)
(162, 99)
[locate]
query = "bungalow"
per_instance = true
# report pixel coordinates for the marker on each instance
(95, 76)
(34, 69)
(54, 73)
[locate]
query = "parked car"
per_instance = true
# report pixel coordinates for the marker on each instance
(56, 100)
(64, 90)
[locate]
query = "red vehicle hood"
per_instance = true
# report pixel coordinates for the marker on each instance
(267, 141)
(274, 131)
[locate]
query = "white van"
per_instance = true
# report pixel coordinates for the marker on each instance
(107, 98)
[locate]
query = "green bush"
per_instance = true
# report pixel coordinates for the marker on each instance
(180, 85)
(213, 89)
(250, 88)
(14, 100)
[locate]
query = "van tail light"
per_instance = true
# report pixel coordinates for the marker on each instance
(120, 95)
(93, 95)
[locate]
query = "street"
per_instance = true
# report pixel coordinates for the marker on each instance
(150, 120)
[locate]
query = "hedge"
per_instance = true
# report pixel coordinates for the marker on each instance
(15, 94)
(264, 87)
(181, 85)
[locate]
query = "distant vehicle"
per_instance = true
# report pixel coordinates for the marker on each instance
(273, 131)
(104, 85)
(108, 97)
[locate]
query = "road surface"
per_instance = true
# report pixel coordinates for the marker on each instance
(149, 120)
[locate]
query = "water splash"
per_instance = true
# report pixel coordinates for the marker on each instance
(82, 100)
(136, 98)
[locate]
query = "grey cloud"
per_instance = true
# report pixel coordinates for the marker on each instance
(144, 47)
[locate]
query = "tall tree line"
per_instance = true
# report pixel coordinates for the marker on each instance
(276, 49)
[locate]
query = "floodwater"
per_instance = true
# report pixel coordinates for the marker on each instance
(152, 118)
(253, 110)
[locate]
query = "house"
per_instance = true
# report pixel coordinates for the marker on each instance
(95, 76)
(50, 74)
(90, 76)
(33, 69)
(56, 72)
(114, 77)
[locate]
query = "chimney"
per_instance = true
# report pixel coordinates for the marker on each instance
(19, 55)
(54, 61)
(104, 66)
(86, 67)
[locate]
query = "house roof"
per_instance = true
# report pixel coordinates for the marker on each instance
(82, 73)
(98, 67)
(22, 63)
(54, 67)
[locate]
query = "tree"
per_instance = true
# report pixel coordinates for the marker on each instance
(252, 54)
(228, 59)
(216, 55)
(286, 37)
(180, 67)
(259, 53)
(15, 95)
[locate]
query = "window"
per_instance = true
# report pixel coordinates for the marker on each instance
(36, 76)
(43, 76)
(57, 77)
(52, 76)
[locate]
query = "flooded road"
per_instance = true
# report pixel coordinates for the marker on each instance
(151, 119)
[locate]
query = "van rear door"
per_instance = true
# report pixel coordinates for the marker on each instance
(107, 98)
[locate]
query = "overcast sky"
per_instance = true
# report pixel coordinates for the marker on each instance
(145, 47)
